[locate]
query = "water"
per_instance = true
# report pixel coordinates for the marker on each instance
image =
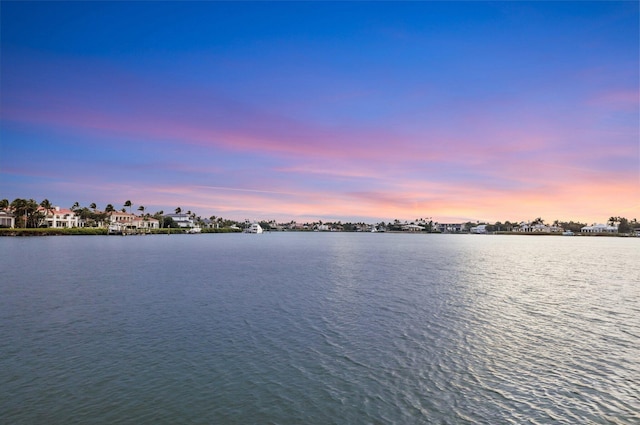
(319, 328)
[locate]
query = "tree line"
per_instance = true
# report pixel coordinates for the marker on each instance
(31, 214)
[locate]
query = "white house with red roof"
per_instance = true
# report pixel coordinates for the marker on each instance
(122, 217)
(124, 220)
(60, 217)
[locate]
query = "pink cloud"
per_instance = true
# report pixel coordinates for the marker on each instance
(625, 100)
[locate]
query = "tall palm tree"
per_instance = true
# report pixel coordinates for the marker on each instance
(93, 206)
(128, 204)
(47, 206)
(109, 208)
(141, 209)
(19, 208)
(27, 212)
(178, 210)
(75, 206)
(159, 216)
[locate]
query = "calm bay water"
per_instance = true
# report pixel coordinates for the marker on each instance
(319, 328)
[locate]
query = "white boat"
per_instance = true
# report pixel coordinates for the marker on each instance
(567, 233)
(195, 230)
(253, 228)
(114, 229)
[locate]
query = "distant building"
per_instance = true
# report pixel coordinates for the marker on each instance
(182, 220)
(480, 229)
(599, 228)
(146, 223)
(537, 228)
(60, 217)
(122, 217)
(7, 219)
(449, 227)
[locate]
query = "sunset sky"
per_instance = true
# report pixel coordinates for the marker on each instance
(325, 111)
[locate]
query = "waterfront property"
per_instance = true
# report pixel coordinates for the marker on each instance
(537, 228)
(60, 217)
(412, 228)
(182, 220)
(146, 223)
(7, 219)
(599, 228)
(449, 227)
(480, 229)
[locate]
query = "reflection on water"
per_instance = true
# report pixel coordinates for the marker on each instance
(320, 328)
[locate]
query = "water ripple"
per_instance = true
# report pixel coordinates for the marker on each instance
(320, 328)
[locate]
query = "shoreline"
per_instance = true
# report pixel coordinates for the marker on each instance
(94, 231)
(97, 231)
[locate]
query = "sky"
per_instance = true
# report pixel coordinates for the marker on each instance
(351, 111)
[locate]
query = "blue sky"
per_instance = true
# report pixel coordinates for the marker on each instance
(351, 111)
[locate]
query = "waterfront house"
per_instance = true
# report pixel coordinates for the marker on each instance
(60, 217)
(122, 217)
(412, 228)
(124, 221)
(599, 228)
(480, 229)
(145, 223)
(538, 228)
(449, 227)
(121, 222)
(208, 223)
(7, 219)
(182, 220)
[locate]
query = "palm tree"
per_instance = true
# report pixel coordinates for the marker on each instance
(128, 204)
(75, 206)
(19, 208)
(27, 212)
(178, 210)
(141, 209)
(47, 206)
(93, 206)
(109, 208)
(4, 205)
(159, 216)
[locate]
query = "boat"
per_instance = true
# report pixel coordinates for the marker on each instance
(254, 228)
(114, 229)
(568, 233)
(194, 230)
